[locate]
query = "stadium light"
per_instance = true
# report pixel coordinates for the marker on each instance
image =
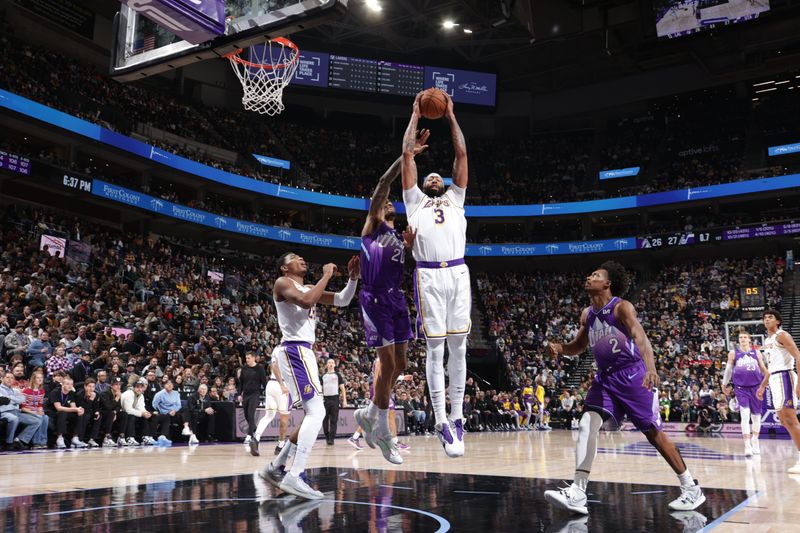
(467, 30)
(374, 5)
(449, 24)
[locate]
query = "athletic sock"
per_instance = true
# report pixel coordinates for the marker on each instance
(686, 479)
(581, 480)
(434, 373)
(356, 435)
(283, 457)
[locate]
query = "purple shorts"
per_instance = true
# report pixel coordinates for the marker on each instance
(385, 315)
(621, 393)
(746, 396)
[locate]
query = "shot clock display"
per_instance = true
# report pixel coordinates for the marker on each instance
(752, 298)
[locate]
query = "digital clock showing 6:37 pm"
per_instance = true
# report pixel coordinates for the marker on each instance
(82, 184)
(752, 298)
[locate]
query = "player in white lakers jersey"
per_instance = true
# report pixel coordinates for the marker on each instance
(295, 304)
(441, 279)
(276, 401)
(781, 354)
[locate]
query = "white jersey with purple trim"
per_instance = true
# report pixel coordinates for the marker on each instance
(297, 324)
(440, 223)
(778, 358)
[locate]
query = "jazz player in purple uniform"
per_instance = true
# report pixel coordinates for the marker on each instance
(624, 385)
(387, 326)
(747, 368)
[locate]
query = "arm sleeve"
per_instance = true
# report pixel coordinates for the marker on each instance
(457, 194)
(412, 198)
(345, 296)
(726, 378)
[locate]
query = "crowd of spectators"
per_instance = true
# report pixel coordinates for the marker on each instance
(104, 336)
(679, 143)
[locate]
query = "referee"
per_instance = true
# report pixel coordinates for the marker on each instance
(252, 378)
(332, 390)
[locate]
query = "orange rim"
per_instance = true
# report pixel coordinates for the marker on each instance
(282, 40)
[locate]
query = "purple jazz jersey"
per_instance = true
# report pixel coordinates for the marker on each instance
(382, 258)
(617, 388)
(746, 372)
(383, 304)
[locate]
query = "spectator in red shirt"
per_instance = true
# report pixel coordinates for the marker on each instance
(34, 405)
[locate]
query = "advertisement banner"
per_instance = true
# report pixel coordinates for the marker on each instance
(273, 162)
(346, 425)
(464, 86)
(312, 69)
(620, 173)
(784, 149)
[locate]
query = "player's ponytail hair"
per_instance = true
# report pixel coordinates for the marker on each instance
(618, 277)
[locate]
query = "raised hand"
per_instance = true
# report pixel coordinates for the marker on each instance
(354, 267)
(422, 140)
(329, 270)
(415, 106)
(449, 112)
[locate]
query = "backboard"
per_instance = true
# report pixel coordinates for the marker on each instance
(142, 48)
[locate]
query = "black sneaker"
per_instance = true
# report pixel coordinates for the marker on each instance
(254, 446)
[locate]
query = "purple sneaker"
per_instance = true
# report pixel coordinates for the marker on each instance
(445, 435)
(458, 437)
(356, 443)
(402, 446)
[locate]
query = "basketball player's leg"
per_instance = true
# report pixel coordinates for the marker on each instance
(459, 324)
(783, 385)
(599, 407)
(640, 404)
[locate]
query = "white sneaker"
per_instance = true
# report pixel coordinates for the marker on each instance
(132, 442)
(193, 440)
(748, 449)
(247, 440)
(445, 434)
(690, 499)
(756, 446)
(78, 443)
(367, 425)
(148, 441)
(389, 449)
(186, 431)
(294, 485)
(108, 442)
(273, 474)
(60, 443)
(92, 444)
(122, 441)
(795, 469)
(572, 498)
(570, 525)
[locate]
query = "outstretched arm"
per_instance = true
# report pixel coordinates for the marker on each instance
(381, 193)
(408, 165)
(344, 296)
(577, 345)
(460, 167)
(627, 314)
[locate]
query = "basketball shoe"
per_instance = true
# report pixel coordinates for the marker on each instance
(572, 498)
(445, 434)
(367, 424)
(690, 499)
(295, 485)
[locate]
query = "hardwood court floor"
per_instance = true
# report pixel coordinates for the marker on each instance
(630, 486)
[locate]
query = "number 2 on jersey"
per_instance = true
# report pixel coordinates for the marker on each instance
(614, 345)
(439, 216)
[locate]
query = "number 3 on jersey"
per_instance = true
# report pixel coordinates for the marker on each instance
(439, 216)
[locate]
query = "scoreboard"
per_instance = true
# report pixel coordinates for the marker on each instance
(752, 298)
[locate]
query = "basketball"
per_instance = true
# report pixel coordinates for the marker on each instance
(433, 103)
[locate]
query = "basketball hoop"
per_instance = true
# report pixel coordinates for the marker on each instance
(263, 77)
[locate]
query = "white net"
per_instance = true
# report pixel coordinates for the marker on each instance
(263, 77)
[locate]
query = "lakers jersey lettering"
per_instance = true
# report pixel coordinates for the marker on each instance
(440, 224)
